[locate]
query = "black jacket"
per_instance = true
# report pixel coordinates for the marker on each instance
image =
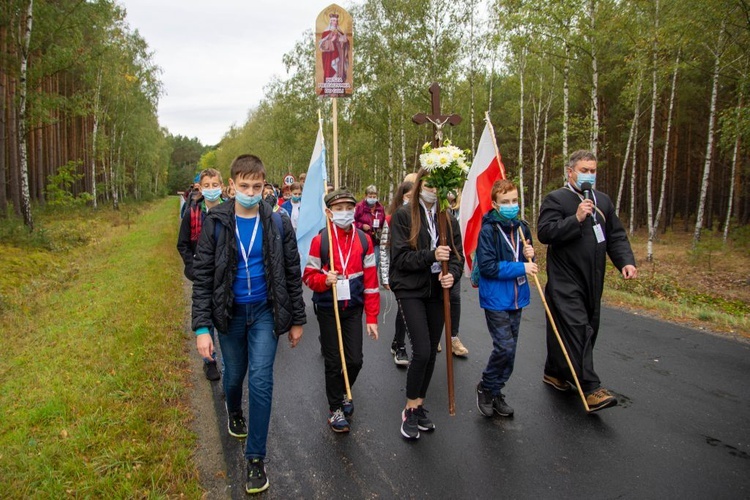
(215, 267)
(410, 274)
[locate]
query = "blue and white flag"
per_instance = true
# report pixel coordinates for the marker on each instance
(313, 218)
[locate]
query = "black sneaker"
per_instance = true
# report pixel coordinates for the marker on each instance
(501, 407)
(424, 423)
(409, 423)
(257, 480)
(394, 347)
(348, 406)
(400, 357)
(236, 424)
(484, 401)
(211, 371)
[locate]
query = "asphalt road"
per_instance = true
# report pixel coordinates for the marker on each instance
(682, 429)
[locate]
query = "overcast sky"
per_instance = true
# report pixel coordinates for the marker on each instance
(217, 56)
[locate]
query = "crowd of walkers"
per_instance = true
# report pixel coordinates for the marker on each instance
(239, 249)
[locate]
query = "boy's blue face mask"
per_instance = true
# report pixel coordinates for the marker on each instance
(247, 201)
(508, 212)
(212, 194)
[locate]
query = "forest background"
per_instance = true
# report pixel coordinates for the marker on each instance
(656, 88)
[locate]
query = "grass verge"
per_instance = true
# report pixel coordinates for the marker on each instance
(95, 379)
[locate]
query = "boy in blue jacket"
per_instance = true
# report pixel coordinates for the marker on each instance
(503, 261)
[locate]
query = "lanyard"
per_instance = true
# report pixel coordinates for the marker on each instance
(593, 195)
(246, 255)
(515, 250)
(431, 225)
(344, 263)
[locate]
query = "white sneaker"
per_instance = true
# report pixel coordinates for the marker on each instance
(458, 347)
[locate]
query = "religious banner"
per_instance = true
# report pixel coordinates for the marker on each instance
(333, 52)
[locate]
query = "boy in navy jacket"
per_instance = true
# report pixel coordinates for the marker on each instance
(503, 254)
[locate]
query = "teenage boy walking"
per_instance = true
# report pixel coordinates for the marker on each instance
(248, 285)
(356, 283)
(503, 249)
(211, 186)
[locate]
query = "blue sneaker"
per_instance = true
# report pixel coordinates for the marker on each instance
(348, 406)
(337, 421)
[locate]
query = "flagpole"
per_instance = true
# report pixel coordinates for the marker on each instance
(335, 144)
(492, 133)
(336, 312)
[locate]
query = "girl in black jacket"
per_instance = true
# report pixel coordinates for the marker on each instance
(417, 281)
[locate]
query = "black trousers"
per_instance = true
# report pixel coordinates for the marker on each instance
(578, 331)
(351, 335)
(400, 336)
(424, 323)
(455, 308)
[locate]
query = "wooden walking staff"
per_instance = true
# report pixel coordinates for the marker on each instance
(557, 333)
(438, 122)
(336, 313)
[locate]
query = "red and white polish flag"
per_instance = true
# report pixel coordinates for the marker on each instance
(486, 168)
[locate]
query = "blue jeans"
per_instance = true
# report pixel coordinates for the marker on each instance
(503, 326)
(249, 347)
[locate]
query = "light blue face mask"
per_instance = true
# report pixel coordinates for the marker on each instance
(247, 201)
(296, 199)
(211, 194)
(508, 212)
(372, 201)
(583, 177)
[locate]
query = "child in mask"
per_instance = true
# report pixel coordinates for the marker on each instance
(503, 262)
(292, 205)
(356, 283)
(211, 184)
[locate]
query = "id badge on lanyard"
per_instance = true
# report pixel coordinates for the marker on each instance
(246, 255)
(515, 251)
(343, 292)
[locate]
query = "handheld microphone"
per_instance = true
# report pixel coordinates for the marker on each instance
(586, 188)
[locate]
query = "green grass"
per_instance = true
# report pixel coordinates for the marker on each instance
(94, 379)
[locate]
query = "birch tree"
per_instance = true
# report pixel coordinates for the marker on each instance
(717, 52)
(23, 119)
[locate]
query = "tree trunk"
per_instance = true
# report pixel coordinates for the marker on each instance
(22, 121)
(631, 137)
(710, 141)
(94, 137)
(594, 81)
(3, 99)
(735, 156)
(544, 157)
(633, 174)
(651, 134)
(667, 135)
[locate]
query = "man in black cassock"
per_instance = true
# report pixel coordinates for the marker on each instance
(580, 227)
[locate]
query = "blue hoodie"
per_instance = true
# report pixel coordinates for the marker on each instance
(498, 270)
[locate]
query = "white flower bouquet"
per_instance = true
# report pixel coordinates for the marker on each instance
(446, 167)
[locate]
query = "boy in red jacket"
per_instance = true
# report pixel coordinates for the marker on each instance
(356, 283)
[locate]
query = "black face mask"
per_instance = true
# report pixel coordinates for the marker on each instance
(271, 200)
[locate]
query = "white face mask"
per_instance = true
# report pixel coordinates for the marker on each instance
(343, 219)
(428, 196)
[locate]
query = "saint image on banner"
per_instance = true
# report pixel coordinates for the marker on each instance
(333, 76)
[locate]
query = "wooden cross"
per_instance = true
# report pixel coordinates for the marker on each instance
(438, 121)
